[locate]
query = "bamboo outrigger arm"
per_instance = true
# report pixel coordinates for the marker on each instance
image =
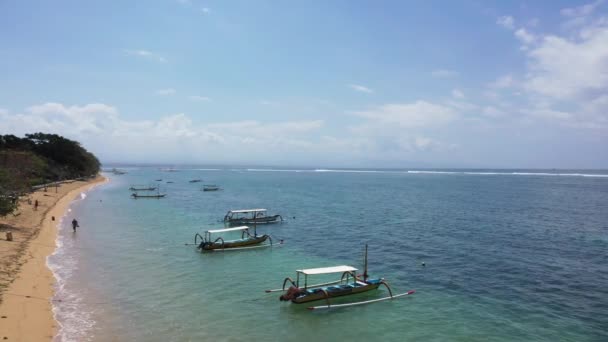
(196, 237)
(326, 297)
(390, 292)
(285, 282)
(337, 306)
(218, 239)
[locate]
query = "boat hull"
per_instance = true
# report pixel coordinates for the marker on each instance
(251, 221)
(312, 295)
(209, 246)
(147, 196)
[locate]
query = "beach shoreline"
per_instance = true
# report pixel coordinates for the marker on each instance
(26, 281)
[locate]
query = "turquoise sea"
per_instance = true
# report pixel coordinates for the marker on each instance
(511, 255)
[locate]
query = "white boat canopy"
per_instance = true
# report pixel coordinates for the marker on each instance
(327, 270)
(227, 229)
(246, 211)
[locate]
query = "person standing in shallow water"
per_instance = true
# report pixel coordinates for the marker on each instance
(74, 224)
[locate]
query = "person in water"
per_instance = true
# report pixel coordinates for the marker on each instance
(74, 224)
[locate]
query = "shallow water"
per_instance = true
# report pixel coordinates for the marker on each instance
(509, 256)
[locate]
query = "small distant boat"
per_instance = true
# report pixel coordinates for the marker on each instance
(118, 172)
(196, 180)
(136, 195)
(147, 188)
(211, 187)
(247, 240)
(250, 216)
(349, 284)
(158, 180)
(169, 182)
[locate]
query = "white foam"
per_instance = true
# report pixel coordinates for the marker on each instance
(354, 171)
(435, 172)
(73, 317)
(431, 172)
(276, 170)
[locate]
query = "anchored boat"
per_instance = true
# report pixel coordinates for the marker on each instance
(247, 240)
(211, 187)
(250, 216)
(349, 284)
(142, 188)
(136, 195)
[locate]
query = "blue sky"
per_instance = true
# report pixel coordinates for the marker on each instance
(319, 83)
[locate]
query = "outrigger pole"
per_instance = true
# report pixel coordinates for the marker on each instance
(336, 306)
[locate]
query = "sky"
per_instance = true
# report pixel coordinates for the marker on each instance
(467, 84)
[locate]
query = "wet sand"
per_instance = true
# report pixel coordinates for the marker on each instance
(26, 282)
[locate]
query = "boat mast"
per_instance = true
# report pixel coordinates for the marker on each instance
(365, 267)
(255, 225)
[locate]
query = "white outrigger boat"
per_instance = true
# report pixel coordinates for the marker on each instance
(250, 216)
(349, 284)
(211, 187)
(247, 240)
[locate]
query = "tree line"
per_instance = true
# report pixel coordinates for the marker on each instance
(39, 158)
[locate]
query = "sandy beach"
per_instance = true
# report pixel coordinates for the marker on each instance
(26, 283)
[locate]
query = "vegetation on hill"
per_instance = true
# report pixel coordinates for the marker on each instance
(37, 159)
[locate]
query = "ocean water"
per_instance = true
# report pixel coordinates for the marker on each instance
(510, 256)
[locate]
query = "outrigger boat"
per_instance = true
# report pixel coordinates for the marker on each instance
(247, 240)
(136, 195)
(349, 284)
(145, 188)
(250, 216)
(211, 187)
(118, 172)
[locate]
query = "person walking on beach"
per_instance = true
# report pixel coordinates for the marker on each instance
(36, 205)
(74, 224)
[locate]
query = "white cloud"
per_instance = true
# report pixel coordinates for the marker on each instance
(102, 130)
(579, 16)
(581, 11)
(165, 92)
(492, 112)
(360, 88)
(567, 68)
(457, 93)
(506, 21)
(205, 10)
(444, 73)
(417, 114)
(549, 113)
(200, 98)
(145, 54)
(525, 36)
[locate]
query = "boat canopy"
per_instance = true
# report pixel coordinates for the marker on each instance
(227, 229)
(327, 270)
(246, 211)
